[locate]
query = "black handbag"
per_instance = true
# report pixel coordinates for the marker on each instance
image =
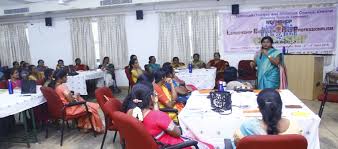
(221, 102)
(28, 87)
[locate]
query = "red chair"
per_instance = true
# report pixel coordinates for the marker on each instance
(40, 82)
(57, 110)
(135, 135)
(99, 94)
(3, 84)
(245, 71)
(131, 82)
(273, 142)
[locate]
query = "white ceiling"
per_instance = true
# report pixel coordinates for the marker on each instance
(20, 2)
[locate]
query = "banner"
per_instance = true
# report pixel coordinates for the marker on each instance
(302, 31)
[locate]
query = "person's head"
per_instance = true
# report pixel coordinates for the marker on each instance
(176, 60)
(14, 73)
(22, 63)
(16, 64)
(41, 62)
(133, 63)
(26, 65)
(196, 57)
(168, 69)
(152, 60)
(105, 60)
(267, 42)
(77, 61)
(270, 105)
(60, 62)
(132, 57)
(32, 69)
(48, 74)
(147, 79)
(217, 56)
(142, 93)
(60, 76)
(146, 68)
(159, 76)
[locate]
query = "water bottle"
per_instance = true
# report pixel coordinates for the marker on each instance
(220, 86)
(10, 87)
(190, 68)
(224, 85)
(284, 50)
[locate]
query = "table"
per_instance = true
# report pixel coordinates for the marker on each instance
(200, 122)
(78, 83)
(16, 103)
(200, 78)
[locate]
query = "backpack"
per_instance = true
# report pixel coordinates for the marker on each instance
(230, 74)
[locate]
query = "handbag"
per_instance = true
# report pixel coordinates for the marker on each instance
(28, 87)
(221, 102)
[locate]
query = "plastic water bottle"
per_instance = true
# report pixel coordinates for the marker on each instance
(220, 86)
(224, 85)
(284, 50)
(10, 87)
(190, 68)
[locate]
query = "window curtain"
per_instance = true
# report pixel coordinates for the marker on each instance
(174, 37)
(204, 34)
(113, 39)
(13, 44)
(83, 41)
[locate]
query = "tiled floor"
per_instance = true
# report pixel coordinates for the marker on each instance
(74, 139)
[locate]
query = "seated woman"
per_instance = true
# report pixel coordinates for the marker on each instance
(270, 106)
(135, 70)
(34, 75)
(60, 64)
(220, 65)
(67, 97)
(176, 63)
(157, 123)
(15, 79)
(41, 66)
(48, 77)
(152, 64)
(197, 63)
(166, 97)
(79, 66)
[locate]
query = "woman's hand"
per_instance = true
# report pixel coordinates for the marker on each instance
(265, 52)
(169, 80)
(252, 64)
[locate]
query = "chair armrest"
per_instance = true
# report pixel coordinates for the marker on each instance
(183, 145)
(75, 103)
(169, 110)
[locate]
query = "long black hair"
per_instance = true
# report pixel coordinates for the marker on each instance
(58, 74)
(270, 105)
(167, 68)
(132, 57)
(159, 75)
(150, 57)
(131, 63)
(141, 92)
(267, 38)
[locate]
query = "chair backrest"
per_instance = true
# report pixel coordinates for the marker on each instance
(273, 142)
(126, 70)
(245, 71)
(3, 84)
(132, 130)
(100, 93)
(54, 102)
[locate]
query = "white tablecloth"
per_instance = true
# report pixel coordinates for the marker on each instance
(78, 83)
(15, 103)
(200, 78)
(199, 121)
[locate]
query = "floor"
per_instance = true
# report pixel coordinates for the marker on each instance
(74, 139)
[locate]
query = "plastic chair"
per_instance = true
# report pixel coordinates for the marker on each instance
(136, 136)
(273, 142)
(57, 110)
(3, 84)
(131, 82)
(117, 105)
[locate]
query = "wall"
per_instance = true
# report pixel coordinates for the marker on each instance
(50, 43)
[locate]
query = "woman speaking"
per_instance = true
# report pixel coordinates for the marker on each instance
(267, 61)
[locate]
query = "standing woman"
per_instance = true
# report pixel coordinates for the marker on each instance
(267, 61)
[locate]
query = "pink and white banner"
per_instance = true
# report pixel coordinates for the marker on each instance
(303, 31)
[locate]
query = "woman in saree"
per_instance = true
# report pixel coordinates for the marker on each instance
(156, 122)
(220, 65)
(67, 97)
(167, 98)
(270, 105)
(267, 61)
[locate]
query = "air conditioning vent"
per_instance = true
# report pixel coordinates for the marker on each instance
(114, 2)
(16, 11)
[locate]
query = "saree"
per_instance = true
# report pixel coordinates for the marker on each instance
(157, 123)
(164, 96)
(221, 65)
(80, 67)
(154, 67)
(198, 64)
(268, 73)
(135, 73)
(83, 122)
